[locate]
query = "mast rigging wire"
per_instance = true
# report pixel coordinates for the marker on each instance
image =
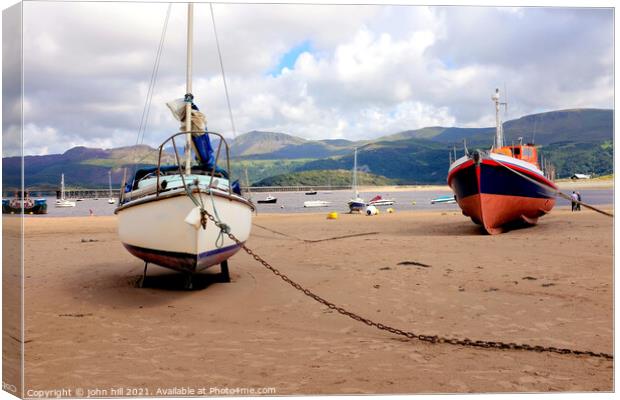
(149, 95)
(219, 53)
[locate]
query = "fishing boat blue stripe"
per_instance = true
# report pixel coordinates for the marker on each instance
(499, 180)
(464, 182)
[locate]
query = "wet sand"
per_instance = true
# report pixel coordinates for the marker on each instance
(88, 326)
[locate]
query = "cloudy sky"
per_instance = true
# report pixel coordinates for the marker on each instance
(315, 71)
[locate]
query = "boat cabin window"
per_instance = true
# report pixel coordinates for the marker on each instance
(516, 151)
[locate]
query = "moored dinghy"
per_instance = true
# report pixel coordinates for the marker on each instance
(380, 201)
(501, 186)
(268, 200)
(316, 203)
(162, 215)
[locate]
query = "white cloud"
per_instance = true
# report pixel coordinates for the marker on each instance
(371, 70)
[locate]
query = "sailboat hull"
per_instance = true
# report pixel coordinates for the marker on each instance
(355, 205)
(155, 230)
(496, 192)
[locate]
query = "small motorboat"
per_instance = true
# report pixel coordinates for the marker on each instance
(380, 201)
(311, 192)
(64, 203)
(316, 203)
(449, 199)
(268, 200)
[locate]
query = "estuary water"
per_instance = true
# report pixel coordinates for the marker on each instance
(293, 202)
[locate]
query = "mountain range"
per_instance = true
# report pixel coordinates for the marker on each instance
(578, 140)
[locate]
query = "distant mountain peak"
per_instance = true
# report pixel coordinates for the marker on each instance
(261, 142)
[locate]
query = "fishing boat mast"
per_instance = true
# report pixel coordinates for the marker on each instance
(499, 130)
(189, 97)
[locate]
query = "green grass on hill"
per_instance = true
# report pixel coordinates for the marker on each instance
(324, 178)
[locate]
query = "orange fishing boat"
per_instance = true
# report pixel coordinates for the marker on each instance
(503, 186)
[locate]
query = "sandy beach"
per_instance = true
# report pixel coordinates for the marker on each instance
(88, 325)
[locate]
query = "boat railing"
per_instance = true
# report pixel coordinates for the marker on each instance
(180, 163)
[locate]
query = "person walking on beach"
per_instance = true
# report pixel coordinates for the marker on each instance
(578, 206)
(573, 203)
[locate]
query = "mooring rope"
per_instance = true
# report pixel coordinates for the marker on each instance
(557, 192)
(314, 240)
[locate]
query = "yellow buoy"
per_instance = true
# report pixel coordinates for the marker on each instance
(390, 210)
(413, 203)
(332, 215)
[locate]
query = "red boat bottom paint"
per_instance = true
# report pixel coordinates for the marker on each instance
(494, 211)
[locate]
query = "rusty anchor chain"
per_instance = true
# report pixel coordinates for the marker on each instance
(488, 344)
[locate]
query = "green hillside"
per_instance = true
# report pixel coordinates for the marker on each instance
(324, 178)
(261, 169)
(576, 157)
(582, 125)
(405, 161)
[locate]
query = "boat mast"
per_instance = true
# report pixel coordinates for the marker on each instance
(247, 183)
(355, 173)
(62, 186)
(110, 183)
(499, 130)
(188, 92)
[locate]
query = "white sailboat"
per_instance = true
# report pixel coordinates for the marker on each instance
(111, 199)
(356, 203)
(62, 202)
(162, 213)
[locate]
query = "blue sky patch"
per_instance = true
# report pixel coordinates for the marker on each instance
(288, 59)
(448, 63)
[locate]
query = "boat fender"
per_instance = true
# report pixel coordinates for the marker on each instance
(194, 218)
(371, 210)
(390, 210)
